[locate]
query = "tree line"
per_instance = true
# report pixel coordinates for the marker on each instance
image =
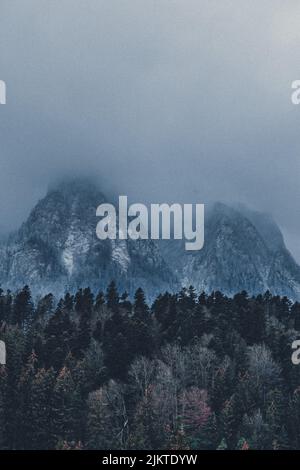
(191, 371)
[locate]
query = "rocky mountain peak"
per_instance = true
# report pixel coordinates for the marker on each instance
(56, 249)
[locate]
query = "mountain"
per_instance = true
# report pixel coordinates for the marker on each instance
(243, 250)
(56, 249)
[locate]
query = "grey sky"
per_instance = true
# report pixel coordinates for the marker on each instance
(163, 100)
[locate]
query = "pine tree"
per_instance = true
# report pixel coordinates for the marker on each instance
(8, 308)
(140, 307)
(59, 338)
(295, 315)
(100, 300)
(139, 328)
(83, 336)
(84, 300)
(44, 307)
(68, 303)
(125, 302)
(23, 308)
(2, 306)
(112, 296)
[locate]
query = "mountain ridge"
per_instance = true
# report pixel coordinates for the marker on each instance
(56, 249)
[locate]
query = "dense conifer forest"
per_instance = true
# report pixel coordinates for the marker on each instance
(191, 371)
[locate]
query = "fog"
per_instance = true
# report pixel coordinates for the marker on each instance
(162, 100)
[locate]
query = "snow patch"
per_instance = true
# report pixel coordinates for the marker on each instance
(120, 254)
(76, 244)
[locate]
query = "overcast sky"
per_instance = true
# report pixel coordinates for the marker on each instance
(162, 100)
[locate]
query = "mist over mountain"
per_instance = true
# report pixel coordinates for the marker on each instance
(56, 249)
(160, 103)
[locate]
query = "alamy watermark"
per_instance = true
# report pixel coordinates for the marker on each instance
(296, 353)
(2, 92)
(295, 96)
(2, 353)
(164, 222)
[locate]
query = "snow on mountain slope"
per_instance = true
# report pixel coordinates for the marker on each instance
(243, 250)
(57, 249)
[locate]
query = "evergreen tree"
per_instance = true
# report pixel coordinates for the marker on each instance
(83, 336)
(59, 338)
(139, 329)
(84, 300)
(295, 315)
(23, 308)
(140, 307)
(112, 296)
(188, 374)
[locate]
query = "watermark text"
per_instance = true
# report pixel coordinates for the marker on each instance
(163, 222)
(2, 92)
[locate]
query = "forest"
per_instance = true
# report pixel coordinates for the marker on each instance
(191, 371)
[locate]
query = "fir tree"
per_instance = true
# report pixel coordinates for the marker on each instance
(23, 308)
(112, 296)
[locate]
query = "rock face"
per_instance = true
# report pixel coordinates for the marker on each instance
(243, 250)
(57, 250)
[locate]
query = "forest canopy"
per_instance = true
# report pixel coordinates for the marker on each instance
(191, 371)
